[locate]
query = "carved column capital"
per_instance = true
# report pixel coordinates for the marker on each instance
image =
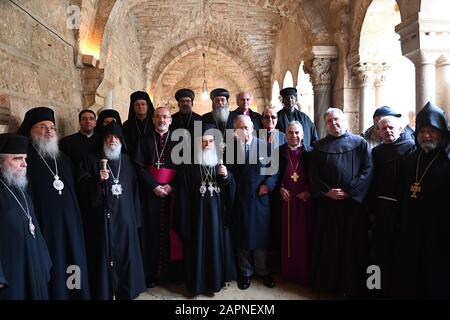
(364, 71)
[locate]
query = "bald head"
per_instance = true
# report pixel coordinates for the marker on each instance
(389, 129)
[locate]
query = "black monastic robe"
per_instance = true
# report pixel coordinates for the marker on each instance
(422, 256)
(203, 224)
(384, 204)
(341, 234)
(111, 228)
(136, 130)
(24, 261)
(61, 224)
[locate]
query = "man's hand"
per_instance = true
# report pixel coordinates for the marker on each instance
(167, 188)
(160, 192)
(104, 174)
(263, 190)
(285, 194)
(222, 170)
(337, 194)
(1, 285)
(304, 196)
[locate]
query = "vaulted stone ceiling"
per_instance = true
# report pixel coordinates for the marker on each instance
(238, 37)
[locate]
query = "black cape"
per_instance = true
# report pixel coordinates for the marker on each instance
(309, 129)
(127, 276)
(202, 224)
(182, 121)
(422, 256)
(387, 161)
(135, 131)
(24, 261)
(77, 146)
(341, 233)
(60, 220)
(251, 212)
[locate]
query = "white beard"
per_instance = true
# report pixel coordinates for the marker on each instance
(428, 146)
(208, 157)
(16, 179)
(47, 147)
(112, 152)
(221, 114)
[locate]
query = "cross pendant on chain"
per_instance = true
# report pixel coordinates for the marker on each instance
(158, 164)
(415, 187)
(295, 176)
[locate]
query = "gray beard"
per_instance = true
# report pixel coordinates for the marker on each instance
(428, 146)
(15, 179)
(208, 157)
(47, 147)
(221, 114)
(112, 152)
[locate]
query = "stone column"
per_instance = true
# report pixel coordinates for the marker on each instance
(425, 80)
(443, 83)
(366, 77)
(319, 67)
(109, 100)
(380, 71)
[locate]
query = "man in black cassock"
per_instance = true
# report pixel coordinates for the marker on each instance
(341, 172)
(78, 145)
(51, 184)
(384, 196)
(113, 219)
(290, 113)
(161, 248)
(220, 111)
(139, 124)
(205, 196)
(422, 257)
(251, 211)
(184, 119)
(244, 100)
(24, 259)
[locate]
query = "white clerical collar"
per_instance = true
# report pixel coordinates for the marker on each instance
(294, 148)
(87, 135)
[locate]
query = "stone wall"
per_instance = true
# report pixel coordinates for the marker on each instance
(37, 62)
(121, 60)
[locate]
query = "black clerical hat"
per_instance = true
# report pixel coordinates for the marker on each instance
(34, 116)
(184, 93)
(219, 92)
(289, 91)
(433, 116)
(13, 143)
(140, 95)
(115, 129)
(385, 111)
(207, 126)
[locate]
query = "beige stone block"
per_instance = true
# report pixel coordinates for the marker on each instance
(24, 77)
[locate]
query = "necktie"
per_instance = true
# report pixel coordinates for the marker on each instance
(246, 152)
(269, 137)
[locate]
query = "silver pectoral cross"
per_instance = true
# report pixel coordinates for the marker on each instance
(158, 164)
(211, 188)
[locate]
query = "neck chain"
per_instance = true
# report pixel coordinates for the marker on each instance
(159, 155)
(31, 226)
(182, 121)
(137, 125)
(415, 187)
(294, 176)
(116, 188)
(209, 175)
(57, 183)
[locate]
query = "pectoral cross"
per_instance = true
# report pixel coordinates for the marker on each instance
(158, 165)
(415, 187)
(295, 176)
(211, 188)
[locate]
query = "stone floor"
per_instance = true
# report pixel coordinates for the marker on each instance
(257, 291)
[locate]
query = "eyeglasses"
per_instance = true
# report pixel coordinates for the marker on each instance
(46, 128)
(270, 117)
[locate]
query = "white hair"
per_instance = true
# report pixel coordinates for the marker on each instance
(112, 152)
(46, 146)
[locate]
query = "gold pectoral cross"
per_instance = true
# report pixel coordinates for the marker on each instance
(295, 176)
(415, 187)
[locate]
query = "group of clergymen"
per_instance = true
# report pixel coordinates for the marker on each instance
(109, 211)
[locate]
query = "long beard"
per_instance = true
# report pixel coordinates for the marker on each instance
(221, 114)
(208, 157)
(47, 147)
(112, 152)
(16, 178)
